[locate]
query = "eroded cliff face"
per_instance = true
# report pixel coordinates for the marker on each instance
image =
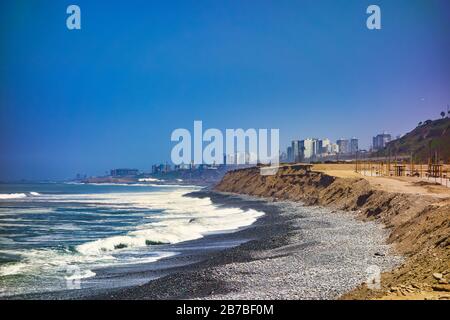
(419, 225)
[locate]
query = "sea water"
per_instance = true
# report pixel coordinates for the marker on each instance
(53, 234)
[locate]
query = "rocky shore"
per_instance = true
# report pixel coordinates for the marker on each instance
(292, 252)
(322, 237)
(418, 225)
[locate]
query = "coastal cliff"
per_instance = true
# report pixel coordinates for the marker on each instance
(418, 224)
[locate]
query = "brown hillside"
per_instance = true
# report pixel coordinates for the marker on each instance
(418, 224)
(425, 141)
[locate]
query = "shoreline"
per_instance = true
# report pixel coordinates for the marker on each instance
(415, 215)
(315, 264)
(316, 230)
(191, 255)
(192, 281)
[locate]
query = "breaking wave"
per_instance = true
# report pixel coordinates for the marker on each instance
(18, 195)
(12, 195)
(169, 217)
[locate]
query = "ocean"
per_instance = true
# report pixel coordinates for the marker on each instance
(62, 236)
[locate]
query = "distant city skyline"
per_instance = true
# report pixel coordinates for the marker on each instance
(109, 95)
(313, 149)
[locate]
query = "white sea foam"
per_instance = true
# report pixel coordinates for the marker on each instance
(180, 219)
(149, 180)
(142, 184)
(17, 195)
(16, 211)
(12, 269)
(37, 261)
(41, 261)
(12, 195)
(81, 275)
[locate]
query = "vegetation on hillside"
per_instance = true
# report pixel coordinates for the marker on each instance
(430, 139)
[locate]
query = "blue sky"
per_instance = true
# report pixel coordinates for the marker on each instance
(110, 95)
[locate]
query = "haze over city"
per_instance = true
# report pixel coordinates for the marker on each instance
(109, 95)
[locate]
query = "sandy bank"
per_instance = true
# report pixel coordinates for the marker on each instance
(292, 252)
(418, 222)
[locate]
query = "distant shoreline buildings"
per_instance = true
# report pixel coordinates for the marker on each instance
(313, 149)
(124, 172)
(306, 150)
(380, 141)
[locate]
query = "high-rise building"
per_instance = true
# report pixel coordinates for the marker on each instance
(380, 141)
(290, 155)
(309, 148)
(324, 146)
(316, 147)
(334, 148)
(353, 145)
(344, 145)
(296, 151)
